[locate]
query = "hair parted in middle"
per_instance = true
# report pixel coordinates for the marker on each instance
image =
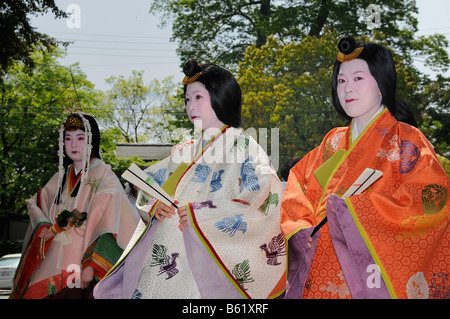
(95, 135)
(224, 90)
(381, 66)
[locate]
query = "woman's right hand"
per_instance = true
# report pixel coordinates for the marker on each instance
(164, 211)
(309, 243)
(46, 234)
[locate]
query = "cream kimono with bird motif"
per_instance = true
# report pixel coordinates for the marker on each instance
(232, 246)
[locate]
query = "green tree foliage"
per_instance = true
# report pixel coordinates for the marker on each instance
(180, 127)
(33, 106)
(284, 51)
(436, 117)
(288, 86)
(31, 113)
(18, 38)
(220, 31)
(139, 110)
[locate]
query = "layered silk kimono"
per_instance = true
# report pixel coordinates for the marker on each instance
(49, 267)
(390, 241)
(232, 246)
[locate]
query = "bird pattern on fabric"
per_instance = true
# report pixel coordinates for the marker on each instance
(232, 224)
(272, 199)
(249, 179)
(200, 205)
(216, 181)
(201, 173)
(275, 249)
(167, 263)
(159, 176)
(136, 294)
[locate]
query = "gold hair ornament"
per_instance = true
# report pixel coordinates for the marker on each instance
(192, 79)
(73, 123)
(348, 57)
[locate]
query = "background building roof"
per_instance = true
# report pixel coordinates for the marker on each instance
(148, 152)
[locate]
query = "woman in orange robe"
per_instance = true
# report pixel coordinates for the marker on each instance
(391, 240)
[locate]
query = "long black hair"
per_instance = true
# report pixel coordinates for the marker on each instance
(381, 66)
(224, 90)
(67, 161)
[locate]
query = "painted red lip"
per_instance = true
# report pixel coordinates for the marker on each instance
(194, 117)
(350, 100)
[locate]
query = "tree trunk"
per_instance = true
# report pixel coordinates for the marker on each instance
(321, 19)
(265, 19)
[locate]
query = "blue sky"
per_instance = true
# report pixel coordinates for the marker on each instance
(115, 37)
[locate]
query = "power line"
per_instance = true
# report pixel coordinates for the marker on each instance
(115, 42)
(104, 35)
(125, 64)
(123, 55)
(122, 49)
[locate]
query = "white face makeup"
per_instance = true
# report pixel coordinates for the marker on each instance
(199, 109)
(74, 144)
(358, 91)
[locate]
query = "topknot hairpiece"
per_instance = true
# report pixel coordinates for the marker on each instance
(189, 80)
(348, 49)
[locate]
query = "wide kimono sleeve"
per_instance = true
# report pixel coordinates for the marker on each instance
(303, 194)
(395, 236)
(300, 216)
(33, 247)
(39, 206)
(40, 203)
(233, 237)
(110, 225)
(298, 211)
(120, 281)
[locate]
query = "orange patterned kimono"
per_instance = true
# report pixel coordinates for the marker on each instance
(392, 240)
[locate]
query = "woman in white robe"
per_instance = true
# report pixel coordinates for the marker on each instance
(65, 259)
(224, 240)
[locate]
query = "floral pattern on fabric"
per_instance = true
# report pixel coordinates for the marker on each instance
(434, 198)
(409, 155)
(402, 218)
